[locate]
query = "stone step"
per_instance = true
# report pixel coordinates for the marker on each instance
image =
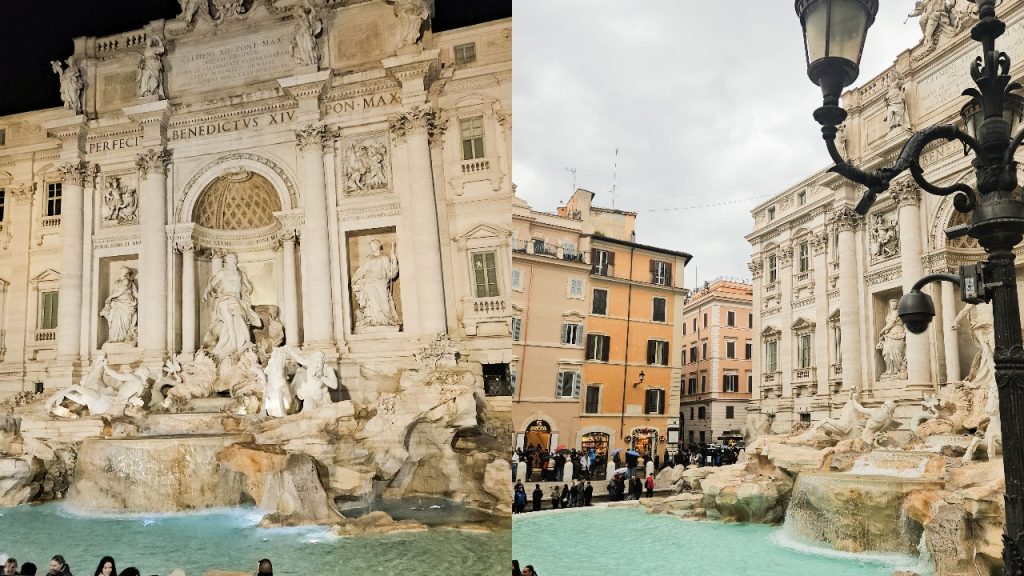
(189, 423)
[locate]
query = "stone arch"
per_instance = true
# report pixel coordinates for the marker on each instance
(282, 182)
(524, 422)
(945, 213)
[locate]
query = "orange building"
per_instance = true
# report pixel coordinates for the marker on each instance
(717, 345)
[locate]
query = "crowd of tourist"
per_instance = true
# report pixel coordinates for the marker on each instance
(544, 466)
(106, 567)
(579, 494)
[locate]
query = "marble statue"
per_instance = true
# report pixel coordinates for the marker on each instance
(245, 380)
(841, 140)
(895, 101)
(880, 421)
(233, 313)
(937, 17)
(277, 394)
(758, 425)
(308, 27)
(171, 378)
(366, 169)
(103, 400)
(197, 380)
(271, 334)
(228, 8)
(71, 84)
(371, 285)
(990, 429)
(411, 16)
(314, 380)
(846, 427)
(121, 308)
(189, 9)
(929, 411)
(983, 367)
(885, 240)
(892, 341)
(120, 204)
(151, 69)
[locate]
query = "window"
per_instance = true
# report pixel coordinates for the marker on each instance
(693, 353)
(465, 53)
(704, 350)
(485, 269)
(730, 412)
(472, 130)
(601, 261)
(517, 279)
(53, 196)
(517, 328)
(514, 377)
(801, 198)
(748, 350)
(3, 137)
(572, 334)
(48, 310)
(691, 415)
(804, 350)
(730, 382)
(684, 328)
(703, 383)
(730, 349)
(658, 314)
(750, 320)
(538, 246)
(654, 401)
(773, 269)
(598, 346)
(691, 431)
(600, 305)
(730, 318)
(804, 260)
(576, 288)
(691, 388)
(661, 273)
(700, 416)
(497, 380)
(657, 352)
(771, 213)
(702, 435)
(771, 353)
(750, 382)
(3, 203)
(567, 385)
(705, 319)
(593, 400)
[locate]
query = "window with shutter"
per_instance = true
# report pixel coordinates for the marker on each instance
(592, 404)
(517, 328)
(730, 318)
(650, 351)
(748, 351)
(485, 271)
(659, 310)
(48, 310)
(730, 349)
(472, 132)
(600, 305)
(607, 346)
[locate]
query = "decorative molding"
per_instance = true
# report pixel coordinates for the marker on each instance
(905, 192)
(846, 219)
(152, 161)
(819, 242)
(419, 117)
(756, 267)
(312, 136)
(72, 172)
(348, 214)
(292, 190)
(884, 275)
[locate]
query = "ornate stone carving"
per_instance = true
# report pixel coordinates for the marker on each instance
(896, 115)
(191, 8)
(184, 245)
(841, 140)
(228, 8)
(120, 203)
(71, 84)
(785, 255)
(152, 161)
(884, 236)
(72, 173)
(121, 309)
(98, 398)
(22, 194)
(440, 352)
(905, 192)
(314, 380)
(366, 166)
(307, 27)
(419, 117)
(756, 267)
(939, 18)
(151, 69)
(313, 136)
(233, 312)
(846, 219)
(371, 285)
(436, 129)
(819, 243)
(892, 342)
(411, 16)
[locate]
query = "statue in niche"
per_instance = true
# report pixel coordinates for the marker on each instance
(308, 26)
(314, 380)
(278, 400)
(121, 308)
(366, 168)
(120, 204)
(983, 367)
(938, 17)
(71, 84)
(371, 285)
(885, 239)
(233, 313)
(892, 341)
(895, 101)
(411, 16)
(151, 69)
(189, 9)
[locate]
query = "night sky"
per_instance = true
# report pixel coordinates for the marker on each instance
(34, 32)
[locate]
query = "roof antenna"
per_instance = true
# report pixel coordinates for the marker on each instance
(615, 169)
(573, 172)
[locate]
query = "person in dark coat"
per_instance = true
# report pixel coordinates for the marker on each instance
(538, 495)
(559, 466)
(556, 497)
(565, 495)
(649, 484)
(574, 495)
(28, 569)
(515, 568)
(519, 505)
(58, 567)
(588, 494)
(620, 487)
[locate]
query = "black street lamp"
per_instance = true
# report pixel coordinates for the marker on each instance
(834, 32)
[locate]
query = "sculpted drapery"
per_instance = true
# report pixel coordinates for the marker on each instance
(371, 285)
(233, 313)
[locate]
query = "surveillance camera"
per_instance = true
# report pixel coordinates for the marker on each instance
(916, 310)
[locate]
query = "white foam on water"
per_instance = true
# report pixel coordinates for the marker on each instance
(865, 468)
(785, 539)
(242, 516)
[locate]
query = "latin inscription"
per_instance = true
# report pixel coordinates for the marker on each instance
(249, 60)
(375, 101)
(114, 144)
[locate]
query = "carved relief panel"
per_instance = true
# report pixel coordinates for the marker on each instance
(883, 236)
(365, 165)
(119, 200)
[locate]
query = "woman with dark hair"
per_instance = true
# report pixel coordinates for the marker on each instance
(58, 567)
(130, 571)
(106, 567)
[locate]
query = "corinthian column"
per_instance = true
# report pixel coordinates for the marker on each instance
(69, 305)
(756, 266)
(189, 308)
(849, 311)
(949, 333)
(908, 198)
(152, 166)
(819, 244)
(785, 263)
(315, 246)
(410, 129)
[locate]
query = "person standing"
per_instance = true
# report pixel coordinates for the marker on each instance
(565, 496)
(588, 494)
(555, 497)
(515, 464)
(650, 485)
(538, 495)
(520, 501)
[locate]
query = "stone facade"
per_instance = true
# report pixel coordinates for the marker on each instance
(290, 139)
(821, 269)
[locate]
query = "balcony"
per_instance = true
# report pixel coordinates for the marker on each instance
(803, 374)
(566, 252)
(486, 316)
(477, 165)
(51, 222)
(46, 335)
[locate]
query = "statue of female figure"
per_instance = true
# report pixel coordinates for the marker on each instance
(892, 341)
(371, 285)
(122, 308)
(411, 15)
(983, 367)
(895, 101)
(307, 28)
(71, 84)
(151, 68)
(233, 313)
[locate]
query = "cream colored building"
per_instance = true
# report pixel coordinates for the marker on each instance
(289, 139)
(825, 278)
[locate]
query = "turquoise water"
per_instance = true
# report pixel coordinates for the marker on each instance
(631, 541)
(230, 540)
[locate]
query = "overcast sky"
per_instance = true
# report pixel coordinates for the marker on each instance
(708, 102)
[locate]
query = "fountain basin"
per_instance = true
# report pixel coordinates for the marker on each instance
(854, 512)
(156, 474)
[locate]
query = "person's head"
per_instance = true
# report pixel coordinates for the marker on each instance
(106, 567)
(11, 566)
(130, 571)
(231, 261)
(57, 563)
(265, 568)
(538, 486)
(28, 569)
(529, 571)
(375, 246)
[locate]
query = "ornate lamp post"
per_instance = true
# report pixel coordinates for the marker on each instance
(834, 32)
